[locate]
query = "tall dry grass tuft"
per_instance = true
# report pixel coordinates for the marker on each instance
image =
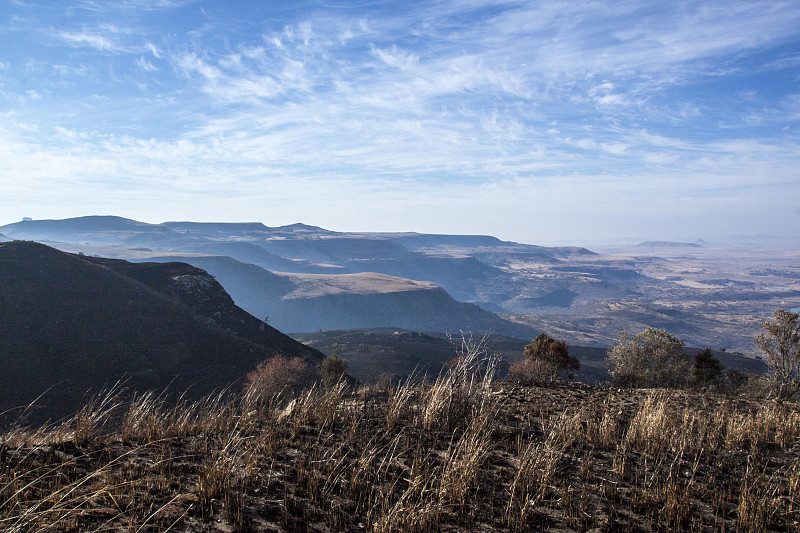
(464, 459)
(774, 424)
(650, 428)
(415, 511)
(223, 470)
(535, 477)
(759, 499)
(398, 400)
(95, 415)
(464, 390)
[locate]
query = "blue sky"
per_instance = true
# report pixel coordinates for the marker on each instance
(546, 122)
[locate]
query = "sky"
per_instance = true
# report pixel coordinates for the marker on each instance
(556, 122)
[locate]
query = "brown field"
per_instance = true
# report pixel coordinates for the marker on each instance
(463, 453)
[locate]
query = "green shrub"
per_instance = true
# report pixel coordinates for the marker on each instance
(707, 370)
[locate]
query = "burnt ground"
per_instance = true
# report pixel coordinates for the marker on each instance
(560, 458)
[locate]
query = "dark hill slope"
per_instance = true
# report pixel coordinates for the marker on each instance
(195, 288)
(69, 324)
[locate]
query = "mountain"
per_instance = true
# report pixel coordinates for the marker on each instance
(717, 295)
(296, 248)
(312, 302)
(92, 229)
(470, 268)
(70, 324)
(666, 244)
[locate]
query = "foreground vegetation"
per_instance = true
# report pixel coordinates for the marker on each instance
(461, 453)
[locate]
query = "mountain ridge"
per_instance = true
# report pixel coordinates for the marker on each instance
(69, 324)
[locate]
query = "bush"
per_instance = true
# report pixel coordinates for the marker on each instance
(780, 343)
(546, 360)
(652, 358)
(333, 369)
(278, 379)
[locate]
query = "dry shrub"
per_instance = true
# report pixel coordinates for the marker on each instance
(545, 360)
(780, 343)
(276, 380)
(651, 358)
(332, 370)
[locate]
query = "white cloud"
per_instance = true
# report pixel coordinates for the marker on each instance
(395, 58)
(86, 39)
(145, 65)
(153, 50)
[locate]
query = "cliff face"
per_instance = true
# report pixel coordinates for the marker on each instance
(71, 324)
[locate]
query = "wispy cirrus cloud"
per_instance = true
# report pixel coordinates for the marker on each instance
(630, 109)
(87, 39)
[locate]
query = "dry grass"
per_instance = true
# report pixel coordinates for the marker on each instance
(460, 454)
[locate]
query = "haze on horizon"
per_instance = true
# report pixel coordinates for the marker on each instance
(531, 121)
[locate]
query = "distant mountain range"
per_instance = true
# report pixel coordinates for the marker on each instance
(305, 278)
(71, 324)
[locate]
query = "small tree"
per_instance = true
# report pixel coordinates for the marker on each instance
(652, 358)
(333, 368)
(780, 343)
(546, 360)
(707, 370)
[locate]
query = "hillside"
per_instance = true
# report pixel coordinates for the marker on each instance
(72, 324)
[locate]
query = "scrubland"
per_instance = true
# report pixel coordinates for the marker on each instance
(464, 452)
